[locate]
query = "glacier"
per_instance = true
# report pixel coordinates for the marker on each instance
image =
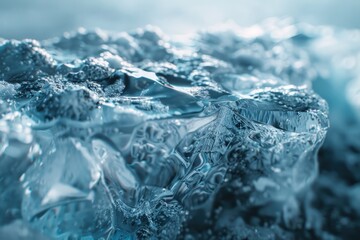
(137, 135)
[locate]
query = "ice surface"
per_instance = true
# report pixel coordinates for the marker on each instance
(138, 136)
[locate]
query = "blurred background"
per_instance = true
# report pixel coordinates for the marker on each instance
(43, 19)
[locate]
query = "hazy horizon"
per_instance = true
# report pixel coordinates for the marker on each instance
(43, 19)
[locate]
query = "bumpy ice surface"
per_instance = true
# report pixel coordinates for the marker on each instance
(138, 136)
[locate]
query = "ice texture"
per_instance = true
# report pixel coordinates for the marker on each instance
(141, 136)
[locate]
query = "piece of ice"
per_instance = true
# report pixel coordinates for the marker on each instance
(133, 135)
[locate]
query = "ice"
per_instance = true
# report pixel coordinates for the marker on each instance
(19, 230)
(140, 136)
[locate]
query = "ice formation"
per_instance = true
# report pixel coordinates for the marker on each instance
(140, 136)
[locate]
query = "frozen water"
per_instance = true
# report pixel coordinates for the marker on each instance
(138, 136)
